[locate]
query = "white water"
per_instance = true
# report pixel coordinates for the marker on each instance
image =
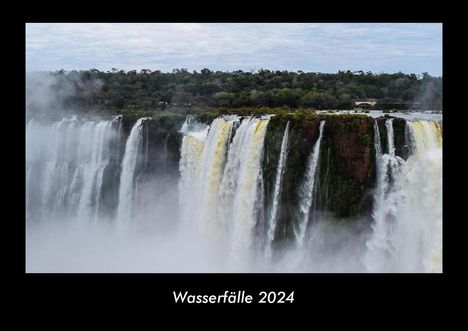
(278, 182)
(407, 215)
(221, 226)
(203, 154)
(377, 143)
(245, 200)
(189, 185)
(94, 169)
(220, 182)
(307, 188)
(388, 166)
(212, 165)
(66, 162)
(127, 177)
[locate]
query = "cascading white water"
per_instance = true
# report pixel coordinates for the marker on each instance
(73, 168)
(390, 137)
(408, 205)
(307, 188)
(278, 181)
(377, 143)
(190, 162)
(65, 163)
(245, 199)
(127, 176)
(94, 169)
(385, 208)
(203, 154)
(223, 190)
(231, 171)
(212, 165)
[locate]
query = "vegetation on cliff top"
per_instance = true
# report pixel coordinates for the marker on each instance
(146, 90)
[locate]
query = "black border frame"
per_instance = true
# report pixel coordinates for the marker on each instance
(329, 291)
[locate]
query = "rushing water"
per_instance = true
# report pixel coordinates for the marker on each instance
(66, 163)
(244, 171)
(278, 181)
(307, 189)
(408, 204)
(220, 178)
(84, 177)
(127, 177)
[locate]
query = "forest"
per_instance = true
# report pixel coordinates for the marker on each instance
(145, 90)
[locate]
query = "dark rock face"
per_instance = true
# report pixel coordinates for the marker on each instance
(399, 135)
(272, 150)
(383, 133)
(347, 166)
(399, 132)
(157, 173)
(303, 132)
(350, 140)
(163, 143)
(345, 173)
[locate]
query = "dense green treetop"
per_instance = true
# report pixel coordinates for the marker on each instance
(150, 90)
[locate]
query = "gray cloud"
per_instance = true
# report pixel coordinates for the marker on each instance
(220, 46)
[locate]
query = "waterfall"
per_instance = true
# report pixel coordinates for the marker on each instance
(377, 143)
(80, 170)
(191, 154)
(231, 175)
(385, 203)
(94, 169)
(278, 179)
(248, 173)
(222, 180)
(127, 177)
(307, 188)
(118, 120)
(390, 138)
(203, 154)
(213, 159)
(165, 153)
(408, 205)
(65, 163)
(421, 216)
(190, 169)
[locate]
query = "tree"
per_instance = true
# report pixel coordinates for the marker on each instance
(223, 99)
(144, 89)
(182, 97)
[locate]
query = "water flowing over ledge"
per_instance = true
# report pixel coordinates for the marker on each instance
(342, 193)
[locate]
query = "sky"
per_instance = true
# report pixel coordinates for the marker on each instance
(310, 47)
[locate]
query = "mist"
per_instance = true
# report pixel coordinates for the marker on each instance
(61, 246)
(80, 246)
(52, 95)
(430, 94)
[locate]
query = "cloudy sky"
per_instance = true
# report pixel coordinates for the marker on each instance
(410, 48)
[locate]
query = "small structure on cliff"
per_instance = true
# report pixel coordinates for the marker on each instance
(364, 103)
